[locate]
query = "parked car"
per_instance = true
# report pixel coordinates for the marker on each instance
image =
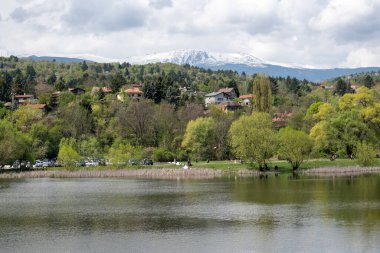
(92, 163)
(81, 163)
(148, 162)
(22, 165)
(134, 161)
(47, 163)
(38, 164)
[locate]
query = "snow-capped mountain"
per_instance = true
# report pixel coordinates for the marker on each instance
(197, 58)
(239, 62)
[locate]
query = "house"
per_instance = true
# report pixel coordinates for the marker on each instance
(221, 96)
(280, 119)
(246, 100)
(42, 107)
(77, 91)
(354, 87)
(327, 87)
(23, 99)
(105, 90)
(230, 106)
(134, 92)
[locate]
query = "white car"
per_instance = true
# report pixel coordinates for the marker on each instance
(38, 164)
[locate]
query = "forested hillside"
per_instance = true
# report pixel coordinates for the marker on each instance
(169, 121)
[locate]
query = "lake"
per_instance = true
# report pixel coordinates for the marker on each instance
(273, 214)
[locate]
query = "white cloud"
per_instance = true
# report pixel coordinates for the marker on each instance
(324, 33)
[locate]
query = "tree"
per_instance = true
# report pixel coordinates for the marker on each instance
(223, 123)
(365, 154)
(342, 87)
(117, 82)
(14, 145)
(25, 117)
(120, 153)
(263, 93)
(154, 89)
(368, 81)
(253, 139)
(341, 133)
(137, 122)
(84, 66)
(67, 155)
(199, 138)
(294, 146)
(77, 121)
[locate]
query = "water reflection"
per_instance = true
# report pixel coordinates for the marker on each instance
(224, 215)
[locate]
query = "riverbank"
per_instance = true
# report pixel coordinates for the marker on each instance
(177, 173)
(193, 173)
(341, 171)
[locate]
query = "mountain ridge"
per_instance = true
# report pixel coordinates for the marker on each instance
(240, 62)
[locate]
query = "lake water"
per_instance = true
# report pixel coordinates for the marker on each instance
(274, 214)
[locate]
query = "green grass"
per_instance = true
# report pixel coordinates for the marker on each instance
(283, 166)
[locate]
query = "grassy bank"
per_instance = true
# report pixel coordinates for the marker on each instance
(283, 166)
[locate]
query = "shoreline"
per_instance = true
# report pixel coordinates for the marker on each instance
(191, 173)
(341, 171)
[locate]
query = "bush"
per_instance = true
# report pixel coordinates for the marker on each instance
(365, 154)
(162, 155)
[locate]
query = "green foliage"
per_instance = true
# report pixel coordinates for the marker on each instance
(14, 145)
(25, 117)
(365, 154)
(67, 155)
(253, 139)
(65, 98)
(162, 155)
(199, 138)
(342, 87)
(120, 153)
(263, 93)
(294, 146)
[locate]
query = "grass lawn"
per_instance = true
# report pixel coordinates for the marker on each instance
(283, 166)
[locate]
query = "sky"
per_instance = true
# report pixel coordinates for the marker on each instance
(311, 33)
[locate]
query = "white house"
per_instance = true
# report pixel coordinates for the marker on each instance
(222, 96)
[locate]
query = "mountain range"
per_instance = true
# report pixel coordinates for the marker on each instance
(239, 62)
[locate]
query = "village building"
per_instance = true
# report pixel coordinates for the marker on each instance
(221, 96)
(230, 106)
(24, 99)
(246, 100)
(77, 91)
(42, 107)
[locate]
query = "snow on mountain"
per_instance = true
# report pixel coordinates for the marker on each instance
(197, 58)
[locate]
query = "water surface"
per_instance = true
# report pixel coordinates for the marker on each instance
(274, 214)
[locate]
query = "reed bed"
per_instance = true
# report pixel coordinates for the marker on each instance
(342, 170)
(192, 173)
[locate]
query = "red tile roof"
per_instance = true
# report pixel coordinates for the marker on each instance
(37, 106)
(133, 91)
(246, 96)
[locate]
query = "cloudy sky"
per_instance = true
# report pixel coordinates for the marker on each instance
(319, 33)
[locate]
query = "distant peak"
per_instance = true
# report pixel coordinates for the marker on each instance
(198, 58)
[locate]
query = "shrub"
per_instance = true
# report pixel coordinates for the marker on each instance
(162, 155)
(365, 154)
